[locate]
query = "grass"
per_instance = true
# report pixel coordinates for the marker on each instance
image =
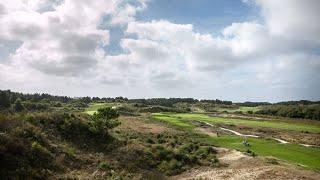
(294, 126)
(177, 122)
(305, 156)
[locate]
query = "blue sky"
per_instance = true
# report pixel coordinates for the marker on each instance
(209, 16)
(239, 50)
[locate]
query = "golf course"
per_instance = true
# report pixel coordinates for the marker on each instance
(290, 152)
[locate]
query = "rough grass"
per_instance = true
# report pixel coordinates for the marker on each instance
(294, 126)
(305, 156)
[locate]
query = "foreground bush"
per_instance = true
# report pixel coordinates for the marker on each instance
(167, 153)
(30, 144)
(24, 151)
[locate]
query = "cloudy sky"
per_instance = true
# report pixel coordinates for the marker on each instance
(239, 50)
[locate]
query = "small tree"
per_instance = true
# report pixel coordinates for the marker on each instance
(17, 106)
(103, 120)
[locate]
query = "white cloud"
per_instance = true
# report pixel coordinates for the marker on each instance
(125, 12)
(292, 18)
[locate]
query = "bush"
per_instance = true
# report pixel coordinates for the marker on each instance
(17, 106)
(32, 106)
(22, 156)
(214, 161)
(251, 153)
(170, 167)
(103, 120)
(104, 165)
(188, 148)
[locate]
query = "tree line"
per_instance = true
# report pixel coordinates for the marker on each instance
(311, 111)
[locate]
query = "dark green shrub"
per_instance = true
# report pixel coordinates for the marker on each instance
(17, 106)
(104, 165)
(188, 148)
(103, 120)
(214, 161)
(170, 167)
(150, 141)
(251, 153)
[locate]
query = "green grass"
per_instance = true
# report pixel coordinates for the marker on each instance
(306, 156)
(294, 126)
(177, 122)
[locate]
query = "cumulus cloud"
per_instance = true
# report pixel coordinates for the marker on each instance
(292, 18)
(125, 12)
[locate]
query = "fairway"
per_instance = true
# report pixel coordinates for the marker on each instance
(295, 126)
(294, 153)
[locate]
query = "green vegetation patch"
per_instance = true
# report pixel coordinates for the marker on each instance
(93, 107)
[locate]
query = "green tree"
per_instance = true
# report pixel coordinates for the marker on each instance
(4, 99)
(103, 120)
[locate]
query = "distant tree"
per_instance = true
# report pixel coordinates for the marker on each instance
(17, 106)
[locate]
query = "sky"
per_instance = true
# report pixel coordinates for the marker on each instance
(238, 50)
